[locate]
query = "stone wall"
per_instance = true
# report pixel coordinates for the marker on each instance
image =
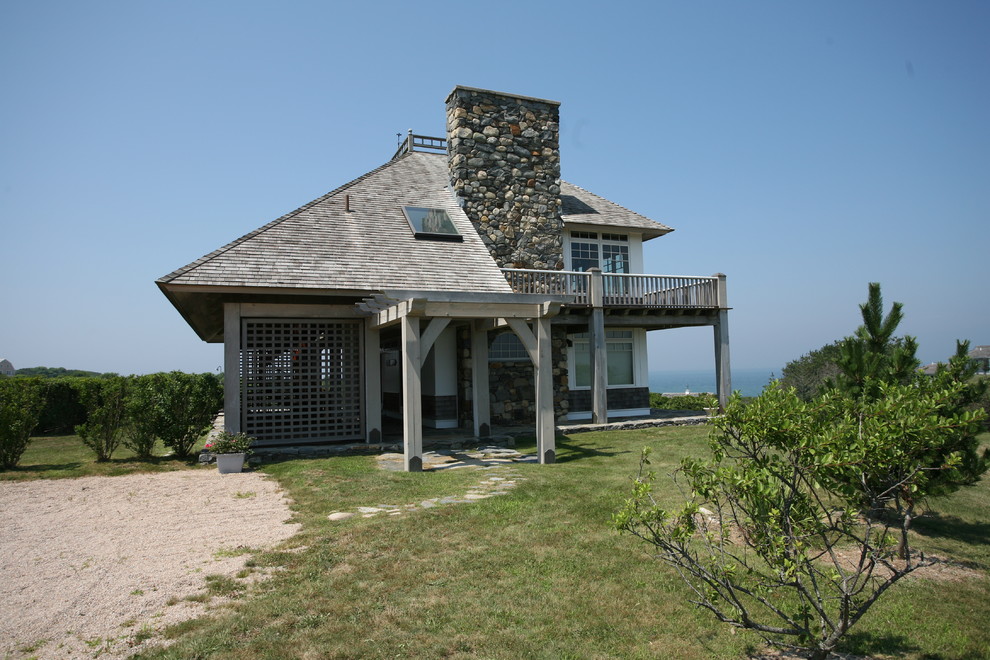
(513, 387)
(512, 384)
(617, 398)
(504, 162)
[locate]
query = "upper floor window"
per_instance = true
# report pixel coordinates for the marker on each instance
(431, 224)
(609, 252)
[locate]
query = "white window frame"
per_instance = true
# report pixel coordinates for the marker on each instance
(633, 240)
(515, 352)
(639, 357)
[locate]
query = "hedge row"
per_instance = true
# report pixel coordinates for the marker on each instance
(175, 408)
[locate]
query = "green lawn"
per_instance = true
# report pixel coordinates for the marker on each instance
(538, 573)
(65, 456)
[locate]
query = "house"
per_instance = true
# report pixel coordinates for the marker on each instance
(981, 356)
(460, 284)
(6, 368)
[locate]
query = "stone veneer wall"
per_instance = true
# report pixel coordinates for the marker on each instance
(512, 384)
(617, 398)
(504, 163)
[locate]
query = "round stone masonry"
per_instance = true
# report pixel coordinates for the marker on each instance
(504, 165)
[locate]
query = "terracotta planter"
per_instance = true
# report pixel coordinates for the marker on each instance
(230, 463)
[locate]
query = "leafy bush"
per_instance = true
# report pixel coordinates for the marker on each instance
(183, 409)
(230, 443)
(685, 402)
(772, 538)
(809, 373)
(106, 414)
(57, 372)
(146, 410)
(21, 401)
(63, 411)
(793, 524)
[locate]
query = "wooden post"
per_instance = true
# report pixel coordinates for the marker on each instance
(545, 428)
(599, 349)
(372, 384)
(480, 394)
(232, 367)
(723, 373)
(412, 400)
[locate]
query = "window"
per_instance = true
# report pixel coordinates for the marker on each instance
(619, 344)
(610, 252)
(507, 348)
(431, 224)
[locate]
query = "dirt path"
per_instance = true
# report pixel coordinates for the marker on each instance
(85, 564)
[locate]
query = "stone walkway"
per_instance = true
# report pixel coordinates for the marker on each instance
(495, 462)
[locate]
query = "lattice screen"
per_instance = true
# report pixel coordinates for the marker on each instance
(301, 380)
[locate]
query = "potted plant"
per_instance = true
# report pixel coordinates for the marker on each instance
(230, 449)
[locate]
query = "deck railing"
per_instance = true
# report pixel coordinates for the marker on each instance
(550, 282)
(620, 290)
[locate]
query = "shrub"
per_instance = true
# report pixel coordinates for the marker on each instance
(771, 537)
(146, 409)
(21, 401)
(63, 411)
(685, 402)
(809, 373)
(106, 414)
(186, 405)
(230, 443)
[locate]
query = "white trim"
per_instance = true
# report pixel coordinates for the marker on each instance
(640, 358)
(634, 241)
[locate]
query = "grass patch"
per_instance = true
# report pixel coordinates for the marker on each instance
(536, 573)
(224, 553)
(66, 457)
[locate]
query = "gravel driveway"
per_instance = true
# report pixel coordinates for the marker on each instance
(85, 564)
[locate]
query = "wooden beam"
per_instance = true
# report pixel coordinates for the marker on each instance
(654, 321)
(723, 375)
(545, 428)
(412, 399)
(372, 384)
(480, 388)
(465, 310)
(232, 367)
(599, 367)
(526, 336)
(430, 335)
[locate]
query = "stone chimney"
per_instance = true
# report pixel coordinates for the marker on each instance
(503, 155)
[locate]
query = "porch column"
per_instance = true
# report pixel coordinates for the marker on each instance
(480, 392)
(599, 350)
(412, 400)
(372, 384)
(545, 428)
(232, 367)
(723, 375)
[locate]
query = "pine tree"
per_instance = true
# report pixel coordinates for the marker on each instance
(874, 355)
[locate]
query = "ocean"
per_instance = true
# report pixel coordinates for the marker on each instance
(749, 382)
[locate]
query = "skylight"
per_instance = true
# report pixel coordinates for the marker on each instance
(431, 224)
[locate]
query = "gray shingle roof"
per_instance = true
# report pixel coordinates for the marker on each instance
(581, 207)
(371, 247)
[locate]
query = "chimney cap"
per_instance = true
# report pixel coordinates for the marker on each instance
(532, 99)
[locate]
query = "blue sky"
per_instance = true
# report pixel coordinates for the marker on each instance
(804, 149)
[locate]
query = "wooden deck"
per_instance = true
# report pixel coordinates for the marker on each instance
(620, 290)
